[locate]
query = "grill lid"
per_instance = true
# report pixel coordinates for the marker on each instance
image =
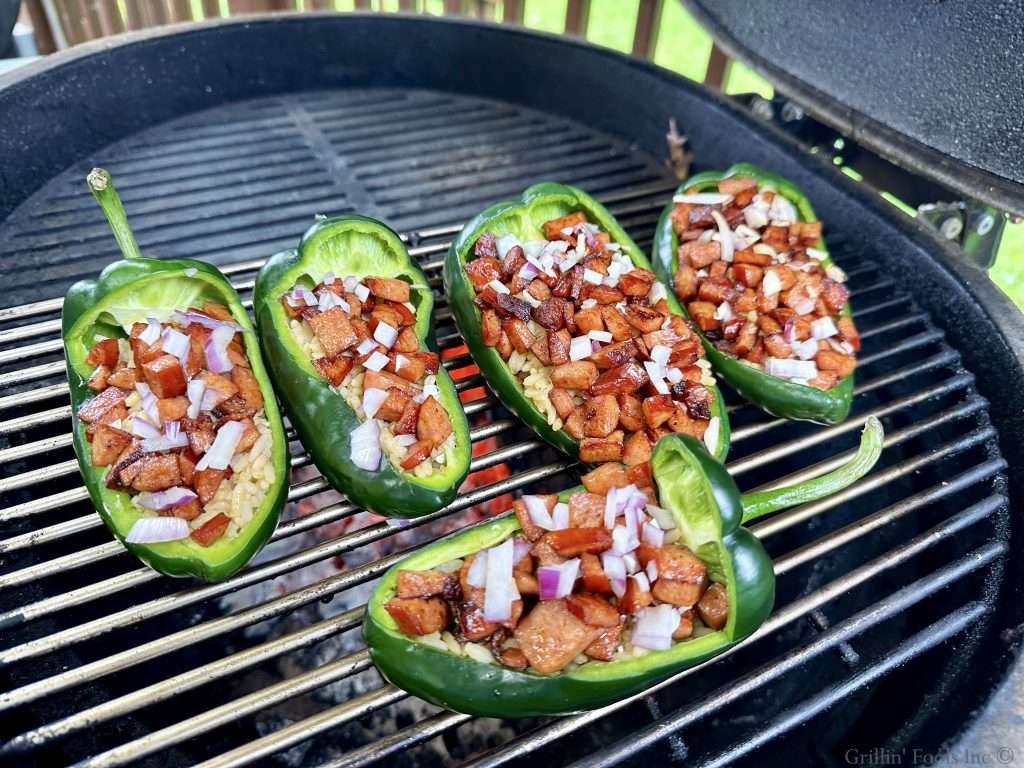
(933, 87)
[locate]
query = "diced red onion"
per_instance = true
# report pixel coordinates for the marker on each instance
(167, 442)
(504, 244)
(603, 336)
(823, 328)
(400, 360)
(657, 293)
(557, 581)
(366, 346)
(642, 584)
(652, 570)
(788, 368)
(653, 535)
(631, 562)
(153, 530)
(217, 360)
(188, 317)
(362, 292)
(168, 499)
(406, 440)
(223, 448)
(538, 512)
(622, 542)
(373, 399)
(520, 549)
(592, 277)
(660, 354)
(816, 254)
(142, 428)
(711, 434)
(329, 278)
(364, 446)
(615, 569)
(580, 348)
(614, 271)
(782, 210)
(350, 282)
(654, 372)
(175, 343)
(209, 400)
(806, 350)
(499, 591)
(149, 407)
(804, 306)
(723, 312)
(560, 516)
(143, 389)
(476, 576)
(328, 300)
(771, 284)
(725, 234)
(703, 198)
(376, 362)
(386, 334)
(151, 332)
(498, 286)
(611, 508)
(674, 375)
(307, 296)
(755, 217)
(765, 250)
(529, 271)
(654, 627)
(789, 330)
(195, 389)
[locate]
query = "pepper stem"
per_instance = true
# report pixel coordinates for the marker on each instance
(762, 503)
(102, 187)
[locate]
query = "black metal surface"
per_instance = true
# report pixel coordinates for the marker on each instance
(301, 130)
(933, 86)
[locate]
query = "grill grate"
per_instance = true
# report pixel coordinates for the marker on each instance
(106, 663)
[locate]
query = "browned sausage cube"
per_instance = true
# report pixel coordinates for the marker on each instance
(829, 360)
(518, 333)
(713, 606)
(703, 314)
(748, 274)
(637, 449)
(685, 628)
(616, 323)
(165, 376)
(601, 480)
(699, 254)
(248, 387)
(172, 408)
(586, 509)
(334, 331)
(553, 228)
(483, 270)
(602, 294)
(579, 374)
(388, 288)
(574, 424)
(606, 644)
(658, 409)
(680, 217)
(678, 562)
(775, 345)
(433, 424)
(551, 637)
(746, 339)
(418, 616)
(384, 380)
(158, 473)
(416, 454)
(600, 416)
(393, 406)
(490, 327)
(613, 355)
(592, 610)
(834, 295)
(846, 328)
(635, 599)
(742, 188)
(572, 542)
(427, 584)
(681, 593)
(824, 380)
(563, 402)
(408, 341)
(594, 578)
(211, 530)
(686, 282)
(107, 444)
(334, 369)
(594, 450)
(623, 379)
(207, 481)
(589, 320)
(748, 256)
(637, 282)
(644, 319)
(105, 352)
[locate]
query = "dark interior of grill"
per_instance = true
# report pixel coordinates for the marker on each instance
(897, 603)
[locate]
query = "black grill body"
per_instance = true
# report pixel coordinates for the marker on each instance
(898, 604)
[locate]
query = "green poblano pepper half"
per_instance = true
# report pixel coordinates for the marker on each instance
(130, 291)
(362, 247)
(709, 511)
(777, 396)
(525, 218)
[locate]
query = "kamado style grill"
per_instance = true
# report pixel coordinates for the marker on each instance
(898, 603)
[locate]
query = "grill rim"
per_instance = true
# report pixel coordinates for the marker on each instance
(969, 285)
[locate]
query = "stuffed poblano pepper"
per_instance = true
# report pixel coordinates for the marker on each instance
(175, 425)
(574, 333)
(584, 598)
(346, 326)
(743, 251)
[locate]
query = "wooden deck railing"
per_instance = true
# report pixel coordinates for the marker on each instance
(62, 23)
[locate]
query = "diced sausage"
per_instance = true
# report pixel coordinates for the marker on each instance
(616, 323)
(602, 294)
(486, 245)
(848, 330)
(612, 355)
(586, 510)
(172, 408)
(514, 260)
(594, 578)
(742, 188)
(834, 295)
(190, 510)
(703, 314)
(630, 412)
(221, 386)
(518, 333)
(428, 584)
(540, 348)
(657, 410)
(829, 360)
(104, 352)
(418, 616)
(601, 480)
(681, 593)
(472, 624)
(433, 425)
(574, 424)
(748, 274)
(548, 314)
(579, 374)
(571, 542)
(393, 406)
(563, 401)
(408, 341)
(713, 606)
(187, 467)
(685, 627)
(334, 331)
(384, 380)
(206, 483)
(644, 319)
(623, 379)
(211, 530)
(388, 288)
(699, 254)
(685, 282)
(636, 450)
(678, 562)
(594, 450)
(158, 473)
(553, 228)
(98, 381)
(96, 407)
(490, 327)
(600, 416)
(165, 376)
(200, 432)
(411, 367)
(635, 599)
(698, 400)
(607, 643)
(248, 387)
(637, 282)
(249, 437)
(483, 270)
(592, 610)
(509, 305)
(217, 310)
(334, 369)
(640, 475)
(107, 444)
(416, 454)
(551, 637)
(406, 424)
(124, 378)
(589, 320)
